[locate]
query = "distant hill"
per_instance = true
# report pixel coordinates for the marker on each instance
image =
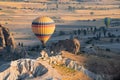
(63, 0)
(88, 0)
(54, 1)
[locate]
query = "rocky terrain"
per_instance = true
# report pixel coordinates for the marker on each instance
(6, 38)
(48, 67)
(62, 55)
(64, 58)
(8, 48)
(71, 45)
(21, 69)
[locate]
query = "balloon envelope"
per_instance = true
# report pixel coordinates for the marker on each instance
(43, 28)
(107, 21)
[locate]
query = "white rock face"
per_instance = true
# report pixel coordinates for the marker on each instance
(74, 65)
(21, 69)
(44, 54)
(55, 59)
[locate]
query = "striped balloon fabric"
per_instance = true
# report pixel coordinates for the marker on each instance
(43, 28)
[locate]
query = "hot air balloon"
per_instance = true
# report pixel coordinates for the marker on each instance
(107, 21)
(43, 27)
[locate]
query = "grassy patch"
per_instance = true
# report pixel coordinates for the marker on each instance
(70, 74)
(64, 69)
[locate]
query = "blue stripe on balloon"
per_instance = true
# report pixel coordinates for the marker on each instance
(40, 23)
(43, 34)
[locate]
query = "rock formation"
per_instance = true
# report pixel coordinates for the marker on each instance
(72, 46)
(6, 38)
(44, 54)
(8, 49)
(94, 67)
(21, 69)
(60, 60)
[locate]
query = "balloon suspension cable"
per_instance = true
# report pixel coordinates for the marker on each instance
(43, 46)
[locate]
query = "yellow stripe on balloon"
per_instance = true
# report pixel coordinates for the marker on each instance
(43, 38)
(43, 30)
(43, 20)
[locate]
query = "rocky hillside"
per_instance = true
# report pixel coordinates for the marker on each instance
(43, 68)
(21, 70)
(6, 38)
(8, 49)
(64, 65)
(71, 45)
(101, 68)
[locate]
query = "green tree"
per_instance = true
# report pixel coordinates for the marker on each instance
(79, 31)
(84, 32)
(61, 33)
(75, 32)
(91, 13)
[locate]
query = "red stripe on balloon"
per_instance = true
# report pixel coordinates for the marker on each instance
(52, 25)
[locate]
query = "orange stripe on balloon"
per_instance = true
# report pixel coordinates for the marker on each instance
(44, 39)
(43, 36)
(43, 30)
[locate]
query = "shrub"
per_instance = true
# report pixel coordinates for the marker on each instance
(61, 33)
(89, 41)
(107, 49)
(111, 40)
(94, 19)
(91, 13)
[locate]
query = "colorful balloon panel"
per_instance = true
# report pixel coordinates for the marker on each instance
(107, 21)
(43, 28)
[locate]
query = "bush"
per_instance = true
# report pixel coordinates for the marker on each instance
(61, 33)
(0, 55)
(91, 13)
(111, 40)
(118, 35)
(32, 49)
(94, 19)
(89, 41)
(117, 40)
(6, 23)
(107, 49)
